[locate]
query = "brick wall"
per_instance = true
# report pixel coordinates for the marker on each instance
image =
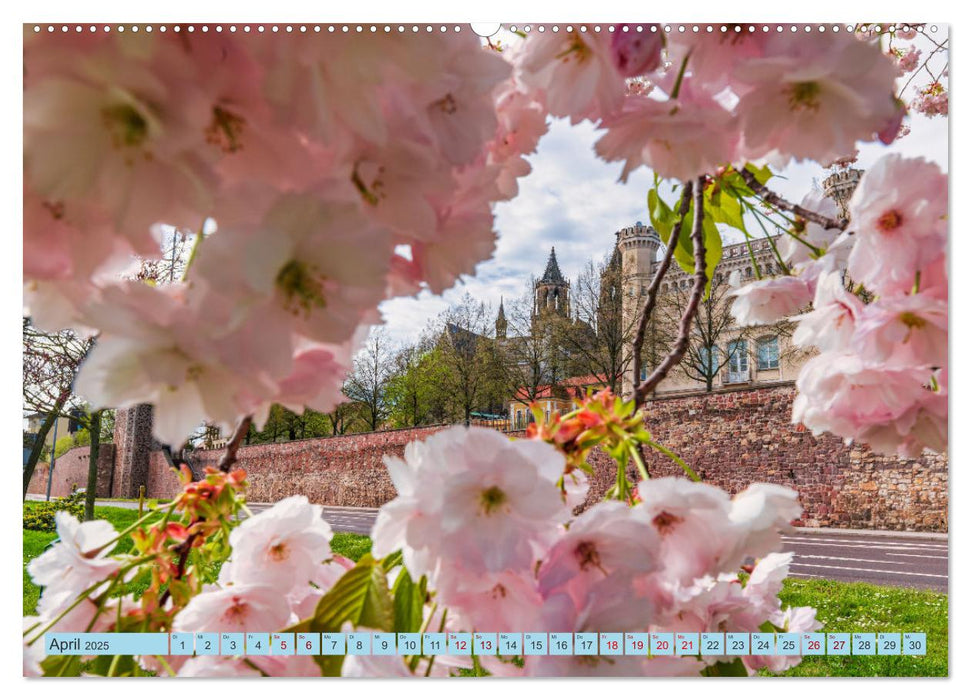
(345, 470)
(731, 439)
(71, 470)
(735, 438)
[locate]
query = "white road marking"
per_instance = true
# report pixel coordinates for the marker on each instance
(866, 561)
(886, 548)
(872, 571)
(887, 542)
(917, 556)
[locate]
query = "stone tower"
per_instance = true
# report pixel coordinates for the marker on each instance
(840, 186)
(501, 324)
(638, 246)
(552, 292)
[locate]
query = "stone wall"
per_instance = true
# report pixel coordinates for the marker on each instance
(71, 471)
(731, 438)
(734, 438)
(345, 470)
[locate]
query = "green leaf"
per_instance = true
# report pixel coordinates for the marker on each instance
(723, 669)
(60, 665)
(360, 597)
(713, 250)
(662, 216)
(392, 560)
(763, 174)
(409, 602)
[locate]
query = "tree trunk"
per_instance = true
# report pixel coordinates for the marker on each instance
(41, 437)
(92, 491)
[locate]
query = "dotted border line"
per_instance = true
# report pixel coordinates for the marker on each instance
(442, 29)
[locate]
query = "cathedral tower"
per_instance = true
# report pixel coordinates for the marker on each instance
(552, 291)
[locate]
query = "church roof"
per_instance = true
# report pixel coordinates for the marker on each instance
(552, 274)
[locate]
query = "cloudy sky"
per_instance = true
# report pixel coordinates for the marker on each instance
(573, 200)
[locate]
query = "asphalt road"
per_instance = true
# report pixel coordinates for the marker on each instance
(886, 559)
(883, 559)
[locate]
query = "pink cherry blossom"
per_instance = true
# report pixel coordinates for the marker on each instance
(681, 138)
(234, 608)
(908, 330)
(831, 324)
(637, 53)
(769, 300)
(503, 505)
(899, 218)
(281, 547)
(693, 523)
(303, 266)
(575, 73)
(505, 602)
(604, 539)
(841, 394)
(813, 96)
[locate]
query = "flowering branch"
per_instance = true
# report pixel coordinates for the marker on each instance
(697, 292)
(649, 303)
(775, 200)
(229, 456)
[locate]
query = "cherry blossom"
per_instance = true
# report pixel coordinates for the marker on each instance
(575, 73)
(898, 214)
(234, 608)
(770, 300)
(78, 560)
(906, 330)
(813, 96)
(281, 547)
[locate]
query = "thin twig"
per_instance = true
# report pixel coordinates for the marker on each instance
(229, 456)
(652, 291)
(775, 200)
(697, 292)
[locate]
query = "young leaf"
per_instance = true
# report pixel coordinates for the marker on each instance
(409, 602)
(360, 597)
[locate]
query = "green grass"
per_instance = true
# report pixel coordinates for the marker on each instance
(350, 545)
(861, 607)
(842, 607)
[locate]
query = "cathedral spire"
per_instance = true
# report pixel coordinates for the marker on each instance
(501, 324)
(552, 274)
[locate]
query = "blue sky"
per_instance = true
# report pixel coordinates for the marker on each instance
(573, 200)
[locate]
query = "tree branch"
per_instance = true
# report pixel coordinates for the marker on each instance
(229, 456)
(697, 292)
(652, 291)
(775, 200)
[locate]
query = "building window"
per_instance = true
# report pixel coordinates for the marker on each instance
(708, 361)
(768, 350)
(737, 362)
(748, 272)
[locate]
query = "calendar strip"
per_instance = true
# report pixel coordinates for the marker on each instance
(704, 644)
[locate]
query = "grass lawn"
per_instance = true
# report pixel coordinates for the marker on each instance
(861, 607)
(842, 607)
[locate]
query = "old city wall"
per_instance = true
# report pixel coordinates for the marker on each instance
(732, 439)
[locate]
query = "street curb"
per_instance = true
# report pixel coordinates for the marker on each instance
(906, 535)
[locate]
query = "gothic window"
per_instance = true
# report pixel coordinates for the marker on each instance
(768, 353)
(748, 272)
